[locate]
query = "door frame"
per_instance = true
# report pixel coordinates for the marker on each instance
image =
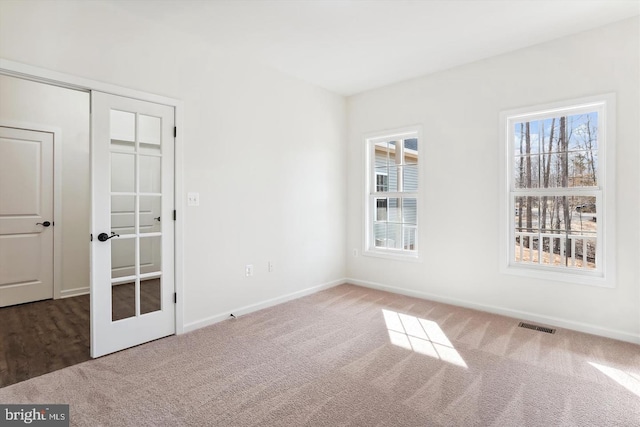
(57, 195)
(42, 75)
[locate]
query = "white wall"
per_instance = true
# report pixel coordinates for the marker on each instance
(265, 151)
(66, 110)
(459, 111)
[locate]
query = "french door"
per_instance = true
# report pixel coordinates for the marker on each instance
(132, 248)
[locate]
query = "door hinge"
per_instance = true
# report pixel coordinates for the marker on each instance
(174, 214)
(175, 297)
(91, 236)
(175, 132)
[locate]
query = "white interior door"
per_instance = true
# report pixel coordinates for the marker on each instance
(26, 216)
(132, 259)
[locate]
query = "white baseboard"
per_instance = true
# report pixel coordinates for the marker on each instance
(523, 315)
(259, 306)
(68, 293)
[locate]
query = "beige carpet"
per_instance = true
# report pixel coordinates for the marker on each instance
(354, 356)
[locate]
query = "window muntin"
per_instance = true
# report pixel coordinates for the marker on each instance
(392, 198)
(555, 189)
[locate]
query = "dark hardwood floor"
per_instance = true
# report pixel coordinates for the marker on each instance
(123, 297)
(44, 336)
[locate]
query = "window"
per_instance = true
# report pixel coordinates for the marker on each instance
(392, 194)
(555, 196)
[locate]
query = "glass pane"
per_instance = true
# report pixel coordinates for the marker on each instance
(150, 254)
(526, 172)
(123, 173)
(548, 166)
(410, 173)
(586, 253)
(394, 236)
(556, 212)
(392, 151)
(381, 210)
(593, 166)
(123, 257)
(123, 126)
(150, 214)
(526, 138)
(385, 153)
(547, 256)
(380, 234)
(150, 174)
(526, 248)
(557, 170)
(410, 151)
(381, 154)
(584, 216)
(409, 211)
(393, 178)
(149, 131)
(382, 179)
(526, 211)
(123, 214)
(547, 212)
(583, 132)
(150, 295)
(409, 242)
(582, 169)
(518, 139)
(123, 300)
(394, 210)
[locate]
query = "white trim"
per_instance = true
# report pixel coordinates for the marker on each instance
(516, 314)
(385, 134)
(260, 305)
(388, 254)
(68, 293)
(180, 205)
(605, 276)
(55, 78)
(371, 138)
(57, 195)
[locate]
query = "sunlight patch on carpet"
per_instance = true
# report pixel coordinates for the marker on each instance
(422, 336)
(628, 381)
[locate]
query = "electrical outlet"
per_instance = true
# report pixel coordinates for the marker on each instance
(248, 270)
(270, 267)
(355, 252)
(193, 199)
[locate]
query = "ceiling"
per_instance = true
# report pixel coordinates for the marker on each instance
(352, 46)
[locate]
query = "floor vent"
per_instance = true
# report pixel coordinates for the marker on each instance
(536, 327)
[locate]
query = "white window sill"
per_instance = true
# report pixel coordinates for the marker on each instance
(591, 278)
(393, 255)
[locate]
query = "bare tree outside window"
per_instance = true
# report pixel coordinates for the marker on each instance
(555, 166)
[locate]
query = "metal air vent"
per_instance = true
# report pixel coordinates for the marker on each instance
(536, 327)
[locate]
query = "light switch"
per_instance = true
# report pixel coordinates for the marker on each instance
(193, 199)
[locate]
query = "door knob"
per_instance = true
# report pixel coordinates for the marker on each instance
(103, 237)
(44, 224)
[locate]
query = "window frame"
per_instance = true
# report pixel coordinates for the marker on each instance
(604, 192)
(370, 206)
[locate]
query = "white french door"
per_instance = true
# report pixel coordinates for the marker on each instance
(132, 252)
